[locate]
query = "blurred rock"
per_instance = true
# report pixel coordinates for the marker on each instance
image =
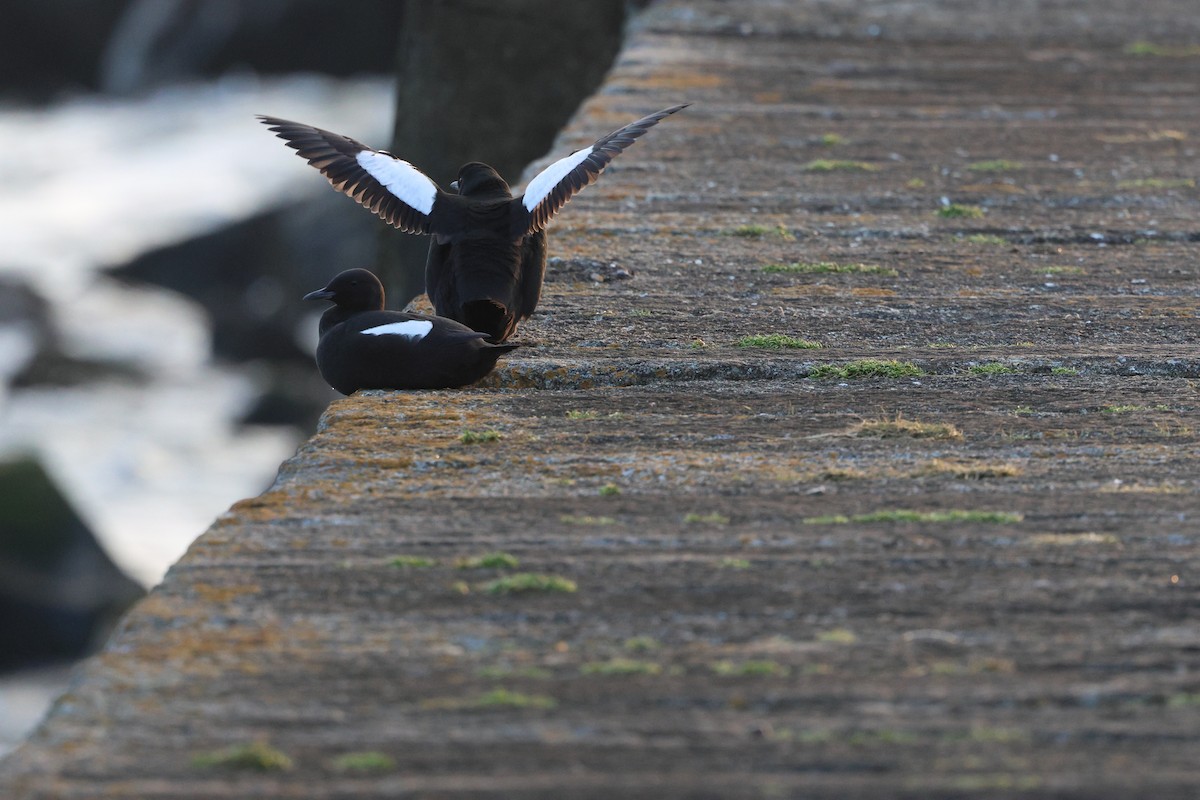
(250, 276)
(165, 41)
(25, 327)
(48, 47)
(52, 367)
(30, 351)
(289, 394)
(51, 46)
(60, 594)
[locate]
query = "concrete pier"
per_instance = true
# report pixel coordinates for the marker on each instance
(853, 454)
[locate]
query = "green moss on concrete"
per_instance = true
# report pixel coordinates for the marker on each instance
(867, 368)
(777, 341)
(496, 560)
(530, 582)
(253, 757)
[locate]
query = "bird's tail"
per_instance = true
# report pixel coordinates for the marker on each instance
(490, 317)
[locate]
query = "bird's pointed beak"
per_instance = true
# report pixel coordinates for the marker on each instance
(454, 186)
(319, 294)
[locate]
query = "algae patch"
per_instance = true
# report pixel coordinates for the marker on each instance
(366, 761)
(868, 368)
(253, 757)
(495, 560)
(530, 582)
(412, 562)
(778, 341)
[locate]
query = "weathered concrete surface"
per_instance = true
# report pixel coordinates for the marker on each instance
(753, 616)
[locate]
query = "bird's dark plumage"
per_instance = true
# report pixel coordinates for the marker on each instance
(364, 347)
(488, 255)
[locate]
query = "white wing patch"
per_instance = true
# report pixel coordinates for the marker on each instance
(415, 329)
(401, 179)
(545, 181)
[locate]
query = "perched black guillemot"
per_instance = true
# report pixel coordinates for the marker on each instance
(488, 255)
(364, 347)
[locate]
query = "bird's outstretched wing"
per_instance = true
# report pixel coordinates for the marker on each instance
(551, 188)
(390, 187)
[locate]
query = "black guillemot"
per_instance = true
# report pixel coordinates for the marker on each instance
(488, 255)
(364, 347)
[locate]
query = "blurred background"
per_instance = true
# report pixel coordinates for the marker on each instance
(155, 239)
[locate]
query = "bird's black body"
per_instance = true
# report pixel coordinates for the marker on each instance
(488, 256)
(487, 281)
(365, 347)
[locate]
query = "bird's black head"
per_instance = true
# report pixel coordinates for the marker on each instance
(479, 180)
(352, 291)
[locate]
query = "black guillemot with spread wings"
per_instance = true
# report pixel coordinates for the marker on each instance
(488, 255)
(364, 347)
